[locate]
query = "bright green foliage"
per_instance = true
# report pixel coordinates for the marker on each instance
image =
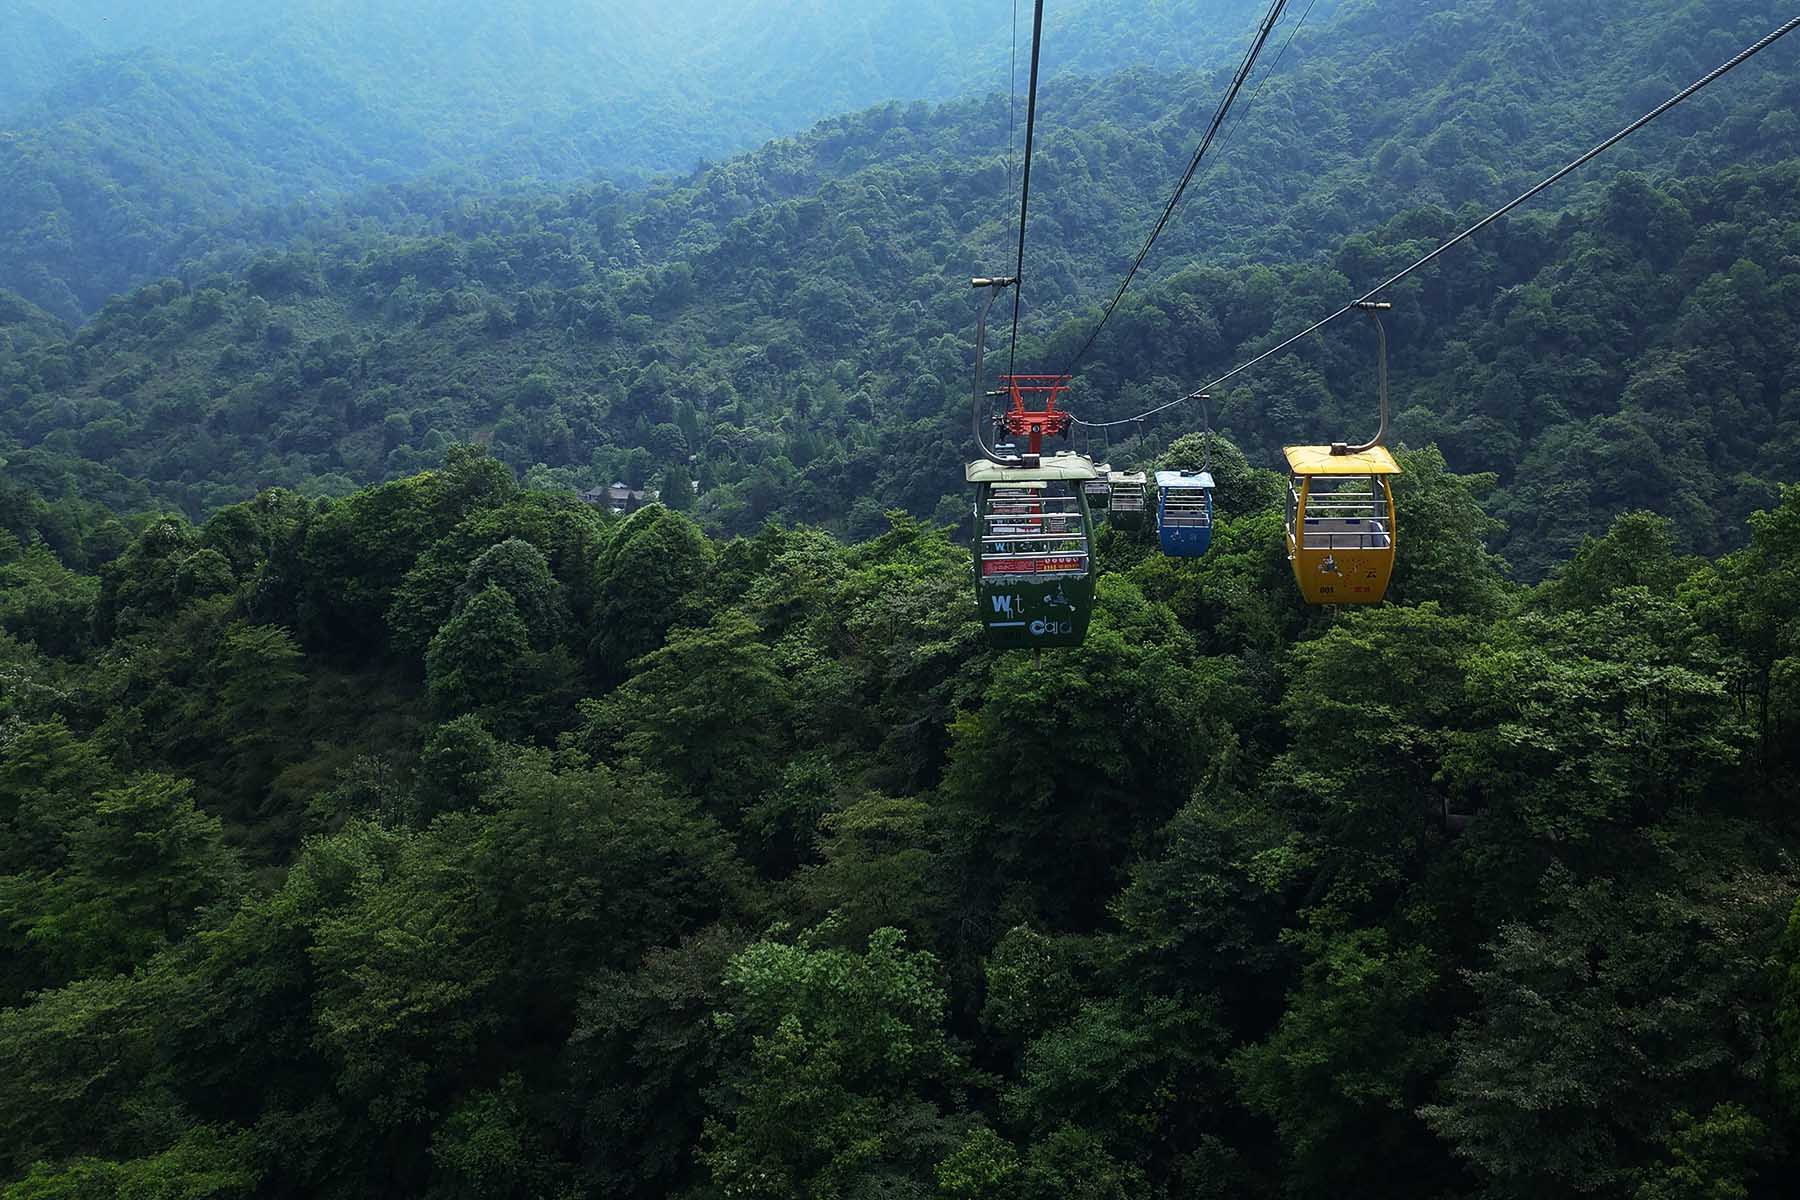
(461, 760)
(260, 685)
(1476, 896)
(879, 867)
(469, 938)
(983, 1166)
(359, 550)
(206, 1164)
(1712, 1157)
(1242, 488)
(1594, 718)
(1072, 1163)
(139, 866)
(1030, 983)
(837, 1047)
(567, 533)
(35, 683)
(475, 659)
(674, 715)
(165, 567)
(77, 1056)
(1239, 599)
(258, 667)
(1751, 600)
(517, 568)
(652, 576)
(1442, 553)
(1638, 551)
(44, 769)
(42, 601)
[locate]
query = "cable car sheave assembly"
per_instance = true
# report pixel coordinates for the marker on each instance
(1034, 524)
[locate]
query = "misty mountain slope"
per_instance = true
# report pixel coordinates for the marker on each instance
(121, 25)
(36, 50)
(110, 170)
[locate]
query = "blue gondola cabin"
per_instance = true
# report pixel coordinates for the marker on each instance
(1184, 512)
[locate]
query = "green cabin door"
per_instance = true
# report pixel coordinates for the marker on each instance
(1034, 578)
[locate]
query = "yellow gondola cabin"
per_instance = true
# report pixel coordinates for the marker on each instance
(1340, 523)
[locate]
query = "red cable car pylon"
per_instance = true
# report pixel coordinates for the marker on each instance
(1034, 424)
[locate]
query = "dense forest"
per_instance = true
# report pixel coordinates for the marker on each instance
(379, 818)
(451, 839)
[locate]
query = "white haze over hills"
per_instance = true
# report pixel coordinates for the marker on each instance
(737, 72)
(136, 125)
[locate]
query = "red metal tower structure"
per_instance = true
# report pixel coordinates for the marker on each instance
(1035, 425)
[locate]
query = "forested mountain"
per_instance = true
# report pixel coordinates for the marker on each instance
(38, 50)
(377, 818)
(204, 113)
(793, 328)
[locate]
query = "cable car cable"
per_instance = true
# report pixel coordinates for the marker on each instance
(1037, 41)
(1250, 104)
(1212, 131)
(1679, 98)
(1012, 102)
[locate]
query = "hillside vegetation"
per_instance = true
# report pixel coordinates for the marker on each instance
(449, 839)
(792, 330)
(379, 819)
(39, 50)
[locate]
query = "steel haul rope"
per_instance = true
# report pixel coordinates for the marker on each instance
(1679, 98)
(1037, 41)
(1245, 70)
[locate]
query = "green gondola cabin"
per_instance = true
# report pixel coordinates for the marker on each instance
(1034, 573)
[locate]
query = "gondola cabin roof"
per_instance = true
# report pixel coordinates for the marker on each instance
(1319, 460)
(1051, 468)
(1185, 479)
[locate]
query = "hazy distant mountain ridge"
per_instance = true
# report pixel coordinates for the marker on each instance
(36, 50)
(245, 106)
